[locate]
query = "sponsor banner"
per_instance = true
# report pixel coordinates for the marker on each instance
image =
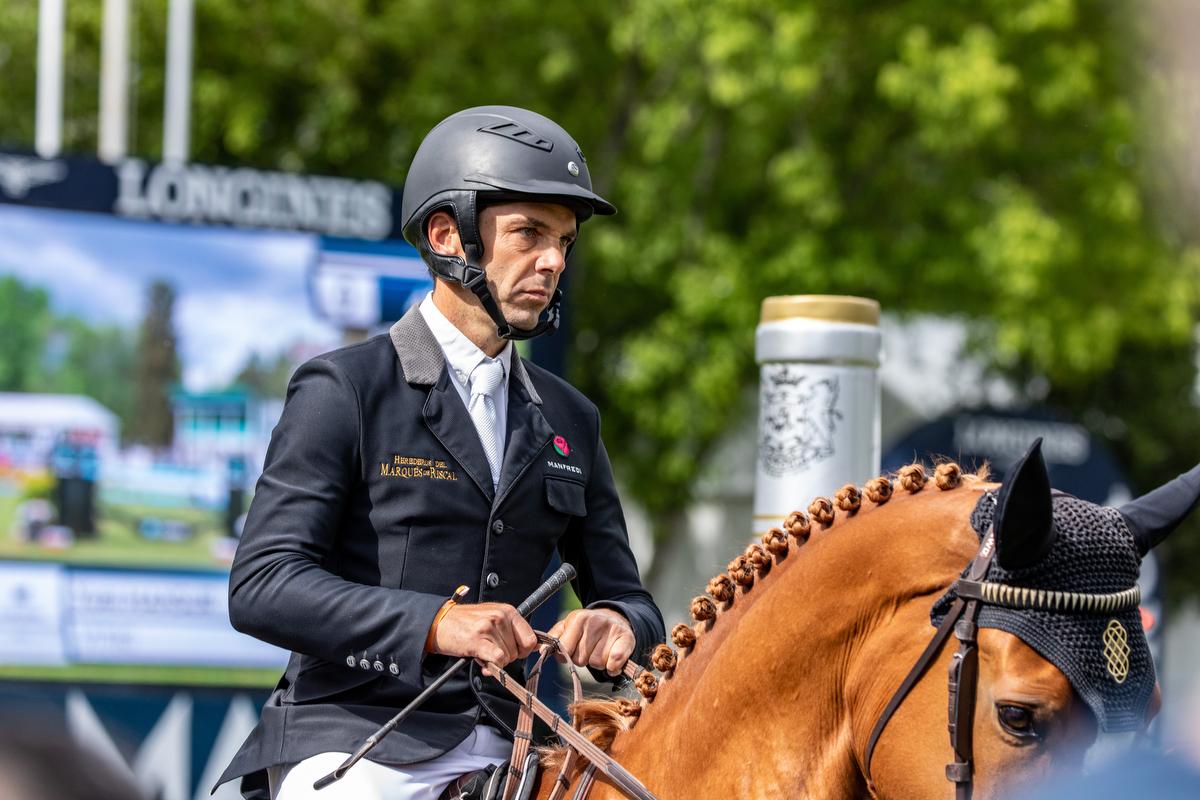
(57, 615)
(31, 606)
(123, 617)
(204, 195)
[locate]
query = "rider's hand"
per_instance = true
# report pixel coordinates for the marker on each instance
(484, 631)
(598, 637)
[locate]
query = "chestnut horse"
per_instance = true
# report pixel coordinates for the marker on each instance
(799, 647)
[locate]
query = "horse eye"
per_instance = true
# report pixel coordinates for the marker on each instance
(1017, 720)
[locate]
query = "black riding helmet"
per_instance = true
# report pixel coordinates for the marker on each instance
(493, 154)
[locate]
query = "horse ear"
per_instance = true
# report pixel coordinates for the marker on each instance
(1153, 516)
(1023, 524)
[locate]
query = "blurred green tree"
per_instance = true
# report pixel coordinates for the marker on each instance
(264, 376)
(989, 160)
(25, 319)
(96, 361)
(41, 352)
(156, 369)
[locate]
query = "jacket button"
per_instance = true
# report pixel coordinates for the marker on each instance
(350, 661)
(477, 682)
(498, 527)
(378, 665)
(493, 580)
(392, 668)
(364, 664)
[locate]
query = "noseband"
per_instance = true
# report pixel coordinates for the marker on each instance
(971, 594)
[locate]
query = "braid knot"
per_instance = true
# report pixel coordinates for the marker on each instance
(741, 571)
(821, 510)
(798, 525)
(879, 490)
(664, 658)
(683, 636)
(948, 476)
(647, 684)
(776, 542)
(912, 477)
(848, 498)
(721, 588)
(703, 608)
(756, 556)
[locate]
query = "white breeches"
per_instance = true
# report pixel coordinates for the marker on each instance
(367, 780)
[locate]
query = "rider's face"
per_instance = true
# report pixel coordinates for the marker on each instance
(524, 254)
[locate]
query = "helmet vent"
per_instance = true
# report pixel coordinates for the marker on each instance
(518, 133)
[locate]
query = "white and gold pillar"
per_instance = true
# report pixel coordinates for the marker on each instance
(818, 426)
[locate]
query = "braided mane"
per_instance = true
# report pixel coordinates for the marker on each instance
(601, 720)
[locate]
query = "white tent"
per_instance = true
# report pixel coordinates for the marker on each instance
(30, 423)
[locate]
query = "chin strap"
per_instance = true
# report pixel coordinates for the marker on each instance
(465, 272)
(547, 322)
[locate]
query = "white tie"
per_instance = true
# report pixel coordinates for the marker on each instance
(485, 378)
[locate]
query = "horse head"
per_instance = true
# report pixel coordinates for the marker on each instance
(1062, 652)
(813, 670)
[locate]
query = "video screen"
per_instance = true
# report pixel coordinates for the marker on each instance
(142, 370)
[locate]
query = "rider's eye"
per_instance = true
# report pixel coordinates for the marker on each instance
(1017, 720)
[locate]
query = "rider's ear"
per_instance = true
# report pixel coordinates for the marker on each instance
(442, 234)
(1023, 524)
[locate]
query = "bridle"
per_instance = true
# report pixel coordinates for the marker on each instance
(972, 593)
(963, 619)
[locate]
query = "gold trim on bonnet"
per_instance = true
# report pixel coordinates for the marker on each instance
(1022, 597)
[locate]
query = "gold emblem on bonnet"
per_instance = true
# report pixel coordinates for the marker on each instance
(1116, 651)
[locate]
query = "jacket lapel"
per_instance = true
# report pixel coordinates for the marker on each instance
(528, 431)
(423, 363)
(450, 422)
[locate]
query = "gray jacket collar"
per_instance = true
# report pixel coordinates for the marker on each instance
(421, 356)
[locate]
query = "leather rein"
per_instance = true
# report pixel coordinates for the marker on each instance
(523, 763)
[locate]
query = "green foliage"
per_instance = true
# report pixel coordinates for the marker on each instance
(970, 159)
(156, 369)
(18, 55)
(43, 352)
(987, 159)
(266, 378)
(96, 361)
(25, 314)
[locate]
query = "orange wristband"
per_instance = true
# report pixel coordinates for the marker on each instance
(459, 593)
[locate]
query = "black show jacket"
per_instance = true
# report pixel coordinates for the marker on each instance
(375, 503)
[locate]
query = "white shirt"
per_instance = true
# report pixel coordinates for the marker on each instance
(463, 356)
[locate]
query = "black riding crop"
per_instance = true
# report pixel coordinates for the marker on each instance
(540, 595)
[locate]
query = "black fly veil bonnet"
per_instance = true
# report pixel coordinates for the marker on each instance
(1064, 581)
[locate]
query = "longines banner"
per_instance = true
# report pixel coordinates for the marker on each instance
(56, 614)
(200, 194)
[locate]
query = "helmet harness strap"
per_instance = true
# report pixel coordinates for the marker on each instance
(467, 272)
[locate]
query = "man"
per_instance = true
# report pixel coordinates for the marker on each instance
(427, 458)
